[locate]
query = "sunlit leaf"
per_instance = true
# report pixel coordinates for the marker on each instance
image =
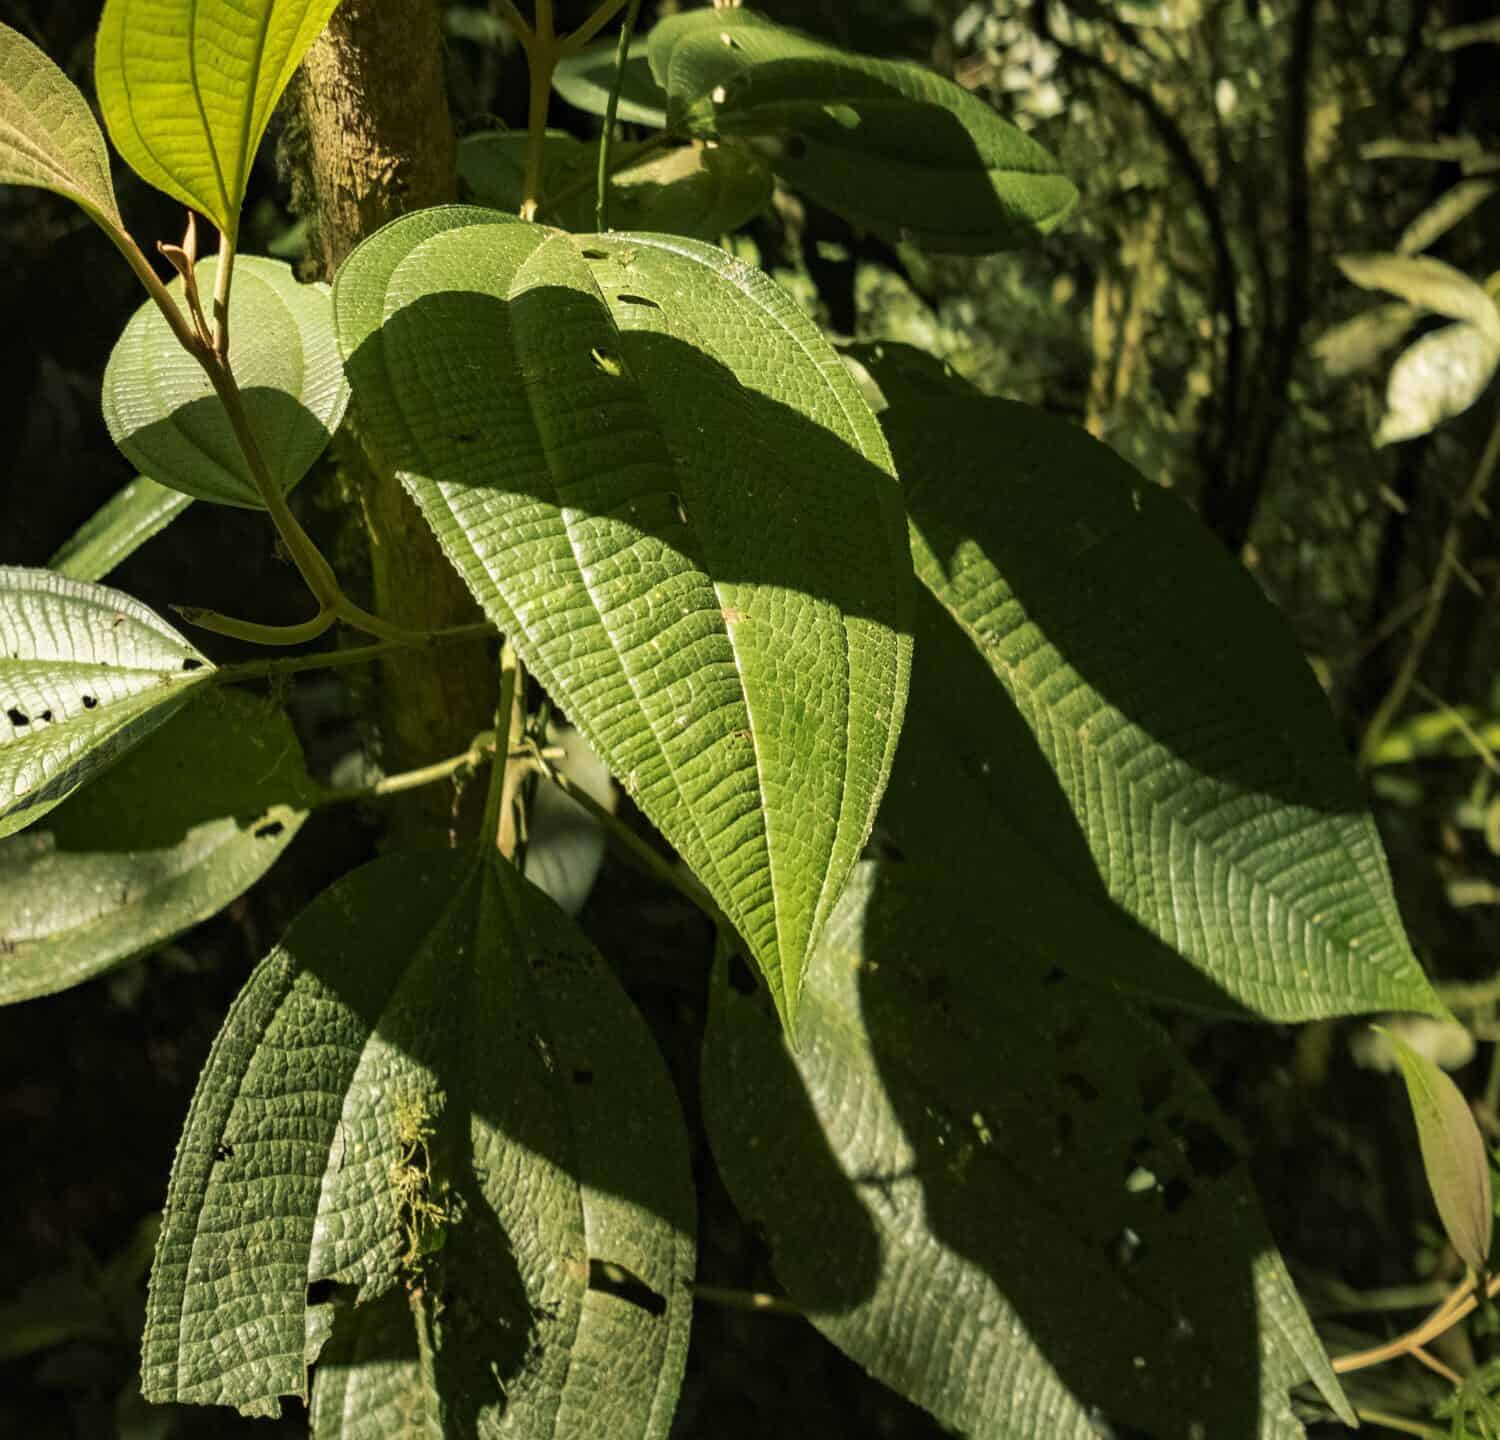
(890, 146)
(85, 674)
(118, 529)
(1358, 343)
(1435, 378)
(585, 80)
(1172, 778)
(656, 476)
(1431, 284)
(1001, 1193)
(163, 413)
(1453, 1153)
(187, 88)
(1444, 213)
(184, 824)
(48, 135)
(433, 1090)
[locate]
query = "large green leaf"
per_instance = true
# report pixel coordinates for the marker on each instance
(163, 413)
(186, 822)
(1432, 284)
(1435, 378)
(1141, 751)
(433, 1086)
(1006, 1196)
(891, 146)
(118, 529)
(48, 135)
(85, 674)
(188, 86)
(654, 473)
(585, 80)
(696, 190)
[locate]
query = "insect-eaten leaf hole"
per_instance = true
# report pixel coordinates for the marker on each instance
(90, 702)
(17, 717)
(594, 254)
(190, 664)
(223, 1151)
(330, 1292)
(643, 300)
(609, 364)
(583, 1076)
(610, 1279)
(269, 830)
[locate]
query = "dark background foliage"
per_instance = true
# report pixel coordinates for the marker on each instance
(1220, 161)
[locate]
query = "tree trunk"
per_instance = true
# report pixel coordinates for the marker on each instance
(376, 141)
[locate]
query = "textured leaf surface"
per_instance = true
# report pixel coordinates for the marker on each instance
(1151, 733)
(184, 824)
(1039, 1227)
(1432, 284)
(694, 190)
(1435, 378)
(1453, 1153)
(433, 1083)
(163, 413)
(48, 135)
(654, 473)
(188, 86)
(890, 146)
(118, 529)
(585, 79)
(85, 673)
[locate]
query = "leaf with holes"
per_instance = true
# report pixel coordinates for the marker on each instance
(48, 135)
(1173, 777)
(695, 190)
(433, 1087)
(655, 474)
(1453, 1153)
(585, 80)
(118, 529)
(889, 145)
(85, 674)
(185, 823)
(187, 88)
(162, 410)
(1040, 1226)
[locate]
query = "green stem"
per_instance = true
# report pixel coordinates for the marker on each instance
(572, 44)
(542, 55)
(618, 161)
(606, 139)
(1399, 1424)
(1461, 1302)
(254, 634)
(223, 279)
(480, 749)
(328, 659)
(510, 680)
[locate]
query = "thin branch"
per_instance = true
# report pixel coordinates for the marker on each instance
(601, 17)
(330, 659)
(1459, 1304)
(607, 135)
(480, 750)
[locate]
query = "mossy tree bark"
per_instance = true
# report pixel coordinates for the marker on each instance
(375, 141)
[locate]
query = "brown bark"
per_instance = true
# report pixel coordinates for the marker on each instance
(376, 141)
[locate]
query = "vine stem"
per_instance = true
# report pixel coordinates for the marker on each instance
(331, 659)
(480, 749)
(1400, 1424)
(611, 109)
(1460, 1303)
(500, 773)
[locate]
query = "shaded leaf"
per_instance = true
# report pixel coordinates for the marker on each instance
(1142, 751)
(1444, 213)
(48, 135)
(700, 191)
(187, 88)
(185, 823)
(1432, 284)
(890, 146)
(565, 843)
(1435, 378)
(655, 474)
(1040, 1226)
(433, 1089)
(1453, 1153)
(116, 530)
(1358, 343)
(585, 79)
(163, 413)
(85, 674)
(368, 1383)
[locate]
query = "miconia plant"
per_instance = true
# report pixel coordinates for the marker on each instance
(970, 741)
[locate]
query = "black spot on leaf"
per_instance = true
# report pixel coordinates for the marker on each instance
(90, 701)
(223, 1151)
(1175, 1194)
(191, 664)
(1208, 1153)
(611, 1279)
(583, 1076)
(45, 717)
(269, 830)
(17, 717)
(638, 300)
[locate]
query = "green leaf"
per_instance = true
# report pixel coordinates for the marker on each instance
(185, 823)
(85, 674)
(1453, 1153)
(187, 88)
(695, 190)
(1444, 213)
(655, 475)
(1142, 749)
(1038, 1225)
(434, 1089)
(48, 135)
(118, 529)
(1359, 342)
(1431, 284)
(163, 413)
(890, 146)
(368, 1383)
(584, 80)
(1435, 378)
